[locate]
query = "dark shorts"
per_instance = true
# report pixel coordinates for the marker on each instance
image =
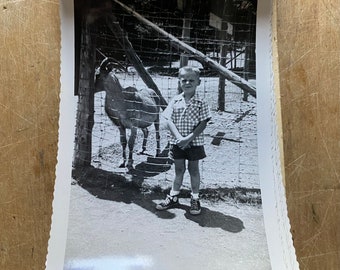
(192, 153)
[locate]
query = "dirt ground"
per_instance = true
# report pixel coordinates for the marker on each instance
(113, 223)
(122, 230)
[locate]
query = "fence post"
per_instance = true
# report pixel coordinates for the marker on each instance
(85, 110)
(185, 38)
(221, 82)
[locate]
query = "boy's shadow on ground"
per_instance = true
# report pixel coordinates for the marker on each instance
(214, 219)
(109, 186)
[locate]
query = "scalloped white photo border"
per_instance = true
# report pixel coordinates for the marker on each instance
(277, 226)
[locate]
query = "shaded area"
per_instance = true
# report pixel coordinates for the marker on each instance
(213, 219)
(152, 166)
(110, 186)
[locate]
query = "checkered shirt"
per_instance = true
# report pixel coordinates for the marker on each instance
(186, 117)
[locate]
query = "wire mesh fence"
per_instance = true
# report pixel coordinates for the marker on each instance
(232, 161)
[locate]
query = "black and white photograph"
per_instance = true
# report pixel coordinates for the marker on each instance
(165, 156)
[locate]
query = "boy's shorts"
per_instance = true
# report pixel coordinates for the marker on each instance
(192, 153)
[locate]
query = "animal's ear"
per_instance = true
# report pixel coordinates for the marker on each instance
(109, 67)
(106, 65)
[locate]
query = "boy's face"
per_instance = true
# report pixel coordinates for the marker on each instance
(189, 82)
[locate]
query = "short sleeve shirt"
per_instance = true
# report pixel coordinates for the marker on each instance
(187, 116)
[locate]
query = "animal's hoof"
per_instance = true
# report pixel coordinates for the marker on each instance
(122, 165)
(129, 165)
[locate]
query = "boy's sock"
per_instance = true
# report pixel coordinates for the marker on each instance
(195, 196)
(174, 193)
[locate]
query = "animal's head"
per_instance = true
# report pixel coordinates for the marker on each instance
(105, 74)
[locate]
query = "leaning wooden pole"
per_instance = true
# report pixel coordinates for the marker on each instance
(199, 56)
(133, 57)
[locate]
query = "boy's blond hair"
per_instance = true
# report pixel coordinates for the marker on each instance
(185, 69)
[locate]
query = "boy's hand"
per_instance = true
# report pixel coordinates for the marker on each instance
(183, 142)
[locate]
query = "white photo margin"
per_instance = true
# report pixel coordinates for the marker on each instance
(67, 110)
(277, 226)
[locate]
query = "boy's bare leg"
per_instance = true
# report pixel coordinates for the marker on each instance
(171, 200)
(193, 167)
(179, 174)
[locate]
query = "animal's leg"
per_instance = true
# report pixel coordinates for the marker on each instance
(123, 142)
(145, 139)
(131, 144)
(158, 138)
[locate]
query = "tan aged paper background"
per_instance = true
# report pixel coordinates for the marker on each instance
(308, 47)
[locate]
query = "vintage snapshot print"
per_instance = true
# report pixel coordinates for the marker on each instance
(163, 167)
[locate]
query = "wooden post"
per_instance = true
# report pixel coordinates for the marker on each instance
(246, 69)
(85, 121)
(235, 56)
(185, 37)
(231, 57)
(184, 59)
(248, 52)
(221, 82)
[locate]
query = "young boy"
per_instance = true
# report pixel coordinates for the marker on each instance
(187, 116)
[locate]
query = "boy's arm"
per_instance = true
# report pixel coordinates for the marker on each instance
(184, 141)
(173, 129)
(205, 115)
(166, 115)
(197, 130)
